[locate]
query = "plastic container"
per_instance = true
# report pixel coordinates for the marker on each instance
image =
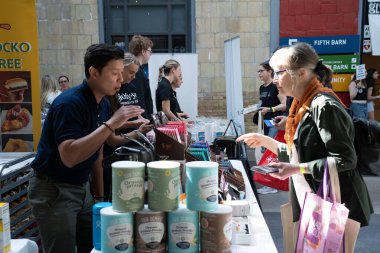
(216, 230)
(164, 185)
(96, 224)
(183, 231)
(128, 186)
(202, 185)
(116, 231)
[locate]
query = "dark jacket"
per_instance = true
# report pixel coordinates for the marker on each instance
(328, 130)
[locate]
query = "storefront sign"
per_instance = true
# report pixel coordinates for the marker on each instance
(340, 82)
(327, 44)
(360, 72)
(374, 21)
(19, 77)
(341, 63)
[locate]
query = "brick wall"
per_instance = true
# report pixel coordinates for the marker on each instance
(65, 30)
(217, 21)
(318, 18)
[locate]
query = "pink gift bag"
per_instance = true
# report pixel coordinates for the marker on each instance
(322, 221)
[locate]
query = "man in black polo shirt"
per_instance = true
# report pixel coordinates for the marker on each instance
(78, 123)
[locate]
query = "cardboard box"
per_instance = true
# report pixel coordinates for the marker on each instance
(5, 231)
(239, 207)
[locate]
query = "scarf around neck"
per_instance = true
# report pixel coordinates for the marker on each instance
(300, 107)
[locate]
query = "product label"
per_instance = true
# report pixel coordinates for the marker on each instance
(173, 188)
(131, 188)
(120, 236)
(227, 229)
(183, 234)
(152, 233)
(208, 188)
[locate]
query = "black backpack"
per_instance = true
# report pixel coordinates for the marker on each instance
(367, 146)
(367, 143)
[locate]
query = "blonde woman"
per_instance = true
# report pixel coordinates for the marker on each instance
(49, 91)
(169, 79)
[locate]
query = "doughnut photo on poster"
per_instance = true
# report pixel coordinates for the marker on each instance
(15, 86)
(17, 142)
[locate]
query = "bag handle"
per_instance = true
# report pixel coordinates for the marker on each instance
(330, 186)
(228, 126)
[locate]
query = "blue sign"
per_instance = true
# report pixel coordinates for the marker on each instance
(327, 44)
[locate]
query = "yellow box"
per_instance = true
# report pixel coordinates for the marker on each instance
(340, 82)
(5, 231)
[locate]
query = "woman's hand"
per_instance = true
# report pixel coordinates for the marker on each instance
(265, 110)
(253, 140)
(285, 170)
(282, 122)
(144, 128)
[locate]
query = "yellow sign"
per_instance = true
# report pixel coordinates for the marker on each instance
(19, 77)
(340, 82)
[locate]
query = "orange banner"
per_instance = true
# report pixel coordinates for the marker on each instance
(19, 77)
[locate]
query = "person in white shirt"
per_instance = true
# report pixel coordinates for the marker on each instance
(49, 91)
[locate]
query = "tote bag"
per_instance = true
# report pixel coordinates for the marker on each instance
(323, 219)
(267, 158)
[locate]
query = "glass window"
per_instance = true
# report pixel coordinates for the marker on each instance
(145, 20)
(166, 22)
(117, 19)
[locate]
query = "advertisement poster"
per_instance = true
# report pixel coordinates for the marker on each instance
(20, 125)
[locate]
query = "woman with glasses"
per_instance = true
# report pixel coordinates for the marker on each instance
(272, 103)
(318, 127)
(141, 48)
(64, 82)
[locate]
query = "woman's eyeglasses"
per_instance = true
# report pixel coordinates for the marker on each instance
(276, 74)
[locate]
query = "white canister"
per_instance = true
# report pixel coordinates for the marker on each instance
(183, 231)
(128, 186)
(116, 231)
(202, 185)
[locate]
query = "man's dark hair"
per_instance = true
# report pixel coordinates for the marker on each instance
(98, 55)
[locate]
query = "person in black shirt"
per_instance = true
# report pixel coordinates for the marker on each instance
(170, 78)
(272, 104)
(141, 47)
(372, 76)
(127, 95)
(77, 124)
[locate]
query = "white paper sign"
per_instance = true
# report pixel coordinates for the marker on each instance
(367, 48)
(360, 72)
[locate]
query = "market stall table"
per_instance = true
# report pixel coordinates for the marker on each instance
(262, 240)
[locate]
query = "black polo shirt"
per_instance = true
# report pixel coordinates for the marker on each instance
(127, 95)
(165, 92)
(141, 82)
(73, 115)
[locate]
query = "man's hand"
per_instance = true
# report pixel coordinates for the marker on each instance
(123, 114)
